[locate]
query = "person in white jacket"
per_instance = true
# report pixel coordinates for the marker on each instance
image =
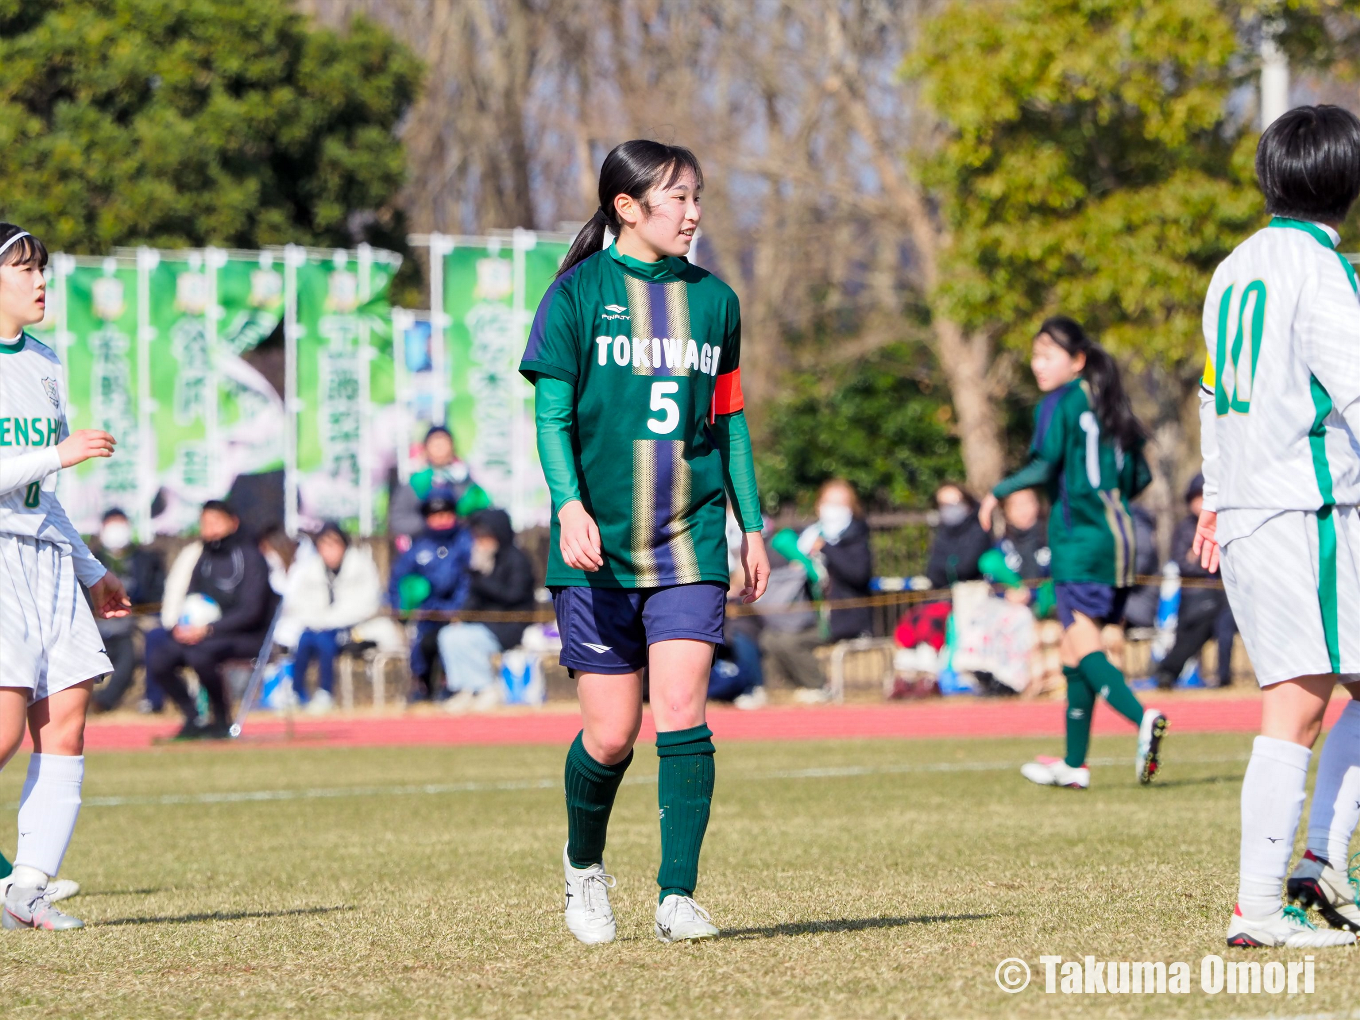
(328, 593)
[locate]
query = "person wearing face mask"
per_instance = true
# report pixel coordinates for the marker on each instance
(444, 471)
(432, 577)
(959, 540)
(142, 572)
(225, 567)
(843, 545)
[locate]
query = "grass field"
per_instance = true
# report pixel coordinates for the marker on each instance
(854, 879)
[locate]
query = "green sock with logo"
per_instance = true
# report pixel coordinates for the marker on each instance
(684, 792)
(1106, 680)
(1080, 701)
(591, 788)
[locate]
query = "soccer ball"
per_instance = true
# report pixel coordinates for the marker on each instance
(199, 611)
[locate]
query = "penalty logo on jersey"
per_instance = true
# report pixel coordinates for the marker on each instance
(50, 388)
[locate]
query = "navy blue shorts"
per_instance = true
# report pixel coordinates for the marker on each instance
(1103, 603)
(607, 630)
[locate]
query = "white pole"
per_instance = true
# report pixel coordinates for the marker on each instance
(1274, 75)
(147, 260)
(365, 395)
(401, 382)
(213, 259)
(293, 257)
(441, 245)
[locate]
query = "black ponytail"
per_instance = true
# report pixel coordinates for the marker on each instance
(633, 169)
(1108, 397)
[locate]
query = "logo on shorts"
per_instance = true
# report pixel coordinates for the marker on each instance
(601, 649)
(50, 388)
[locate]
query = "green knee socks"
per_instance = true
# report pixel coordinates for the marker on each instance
(684, 792)
(590, 797)
(1108, 682)
(1081, 702)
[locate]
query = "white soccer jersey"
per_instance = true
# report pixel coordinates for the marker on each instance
(1280, 406)
(32, 423)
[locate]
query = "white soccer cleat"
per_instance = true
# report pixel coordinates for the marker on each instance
(33, 908)
(589, 916)
(1150, 733)
(1289, 927)
(57, 889)
(680, 919)
(1056, 772)
(1315, 883)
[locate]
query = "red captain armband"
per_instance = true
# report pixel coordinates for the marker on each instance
(727, 398)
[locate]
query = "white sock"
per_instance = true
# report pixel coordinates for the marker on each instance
(1336, 799)
(48, 810)
(1272, 803)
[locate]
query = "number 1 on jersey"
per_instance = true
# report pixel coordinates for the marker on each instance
(1243, 368)
(32, 495)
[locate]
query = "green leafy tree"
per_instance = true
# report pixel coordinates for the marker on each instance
(1090, 163)
(193, 122)
(884, 431)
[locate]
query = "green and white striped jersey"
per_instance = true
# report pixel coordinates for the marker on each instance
(1280, 404)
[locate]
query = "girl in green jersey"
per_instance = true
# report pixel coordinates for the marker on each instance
(1088, 455)
(635, 359)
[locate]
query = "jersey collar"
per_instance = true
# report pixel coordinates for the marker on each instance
(1323, 234)
(659, 271)
(16, 347)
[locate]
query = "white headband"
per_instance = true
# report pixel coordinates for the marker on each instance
(21, 234)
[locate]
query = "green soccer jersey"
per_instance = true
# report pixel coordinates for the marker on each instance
(1089, 480)
(652, 350)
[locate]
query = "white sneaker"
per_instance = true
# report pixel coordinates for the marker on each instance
(1150, 733)
(1289, 927)
(754, 698)
(680, 919)
(1315, 883)
(321, 703)
(589, 916)
(57, 888)
(487, 699)
(460, 702)
(1056, 772)
(812, 695)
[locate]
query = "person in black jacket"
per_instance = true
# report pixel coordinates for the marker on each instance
(959, 540)
(501, 580)
(142, 572)
(233, 574)
(844, 548)
(1204, 611)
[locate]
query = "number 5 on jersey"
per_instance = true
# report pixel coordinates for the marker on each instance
(1235, 366)
(670, 410)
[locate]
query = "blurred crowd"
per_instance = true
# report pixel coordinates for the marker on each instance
(983, 622)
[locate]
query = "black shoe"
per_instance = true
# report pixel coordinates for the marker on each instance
(191, 730)
(217, 731)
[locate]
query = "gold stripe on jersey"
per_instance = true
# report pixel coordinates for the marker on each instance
(1115, 516)
(640, 322)
(644, 512)
(682, 539)
(677, 318)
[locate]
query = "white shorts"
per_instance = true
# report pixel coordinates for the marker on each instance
(1294, 588)
(48, 637)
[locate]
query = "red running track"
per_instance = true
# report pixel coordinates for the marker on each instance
(829, 722)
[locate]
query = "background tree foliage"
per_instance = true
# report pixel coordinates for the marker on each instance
(192, 122)
(874, 422)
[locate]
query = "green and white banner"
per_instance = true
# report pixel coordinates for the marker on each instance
(488, 289)
(153, 345)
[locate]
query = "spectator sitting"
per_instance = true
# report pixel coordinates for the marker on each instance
(443, 471)
(1204, 611)
(224, 569)
(790, 632)
(959, 540)
(1141, 608)
(142, 572)
(501, 581)
(327, 594)
(1022, 556)
(432, 576)
(842, 542)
